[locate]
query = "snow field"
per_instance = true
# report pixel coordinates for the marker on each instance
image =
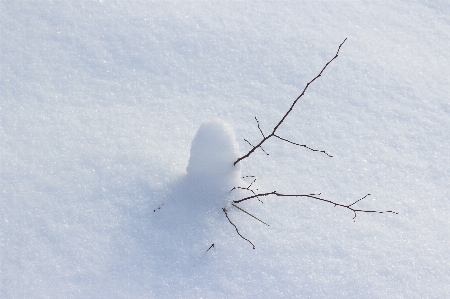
(100, 104)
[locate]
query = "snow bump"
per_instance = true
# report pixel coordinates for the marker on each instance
(213, 151)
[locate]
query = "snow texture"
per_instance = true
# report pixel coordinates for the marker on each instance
(101, 197)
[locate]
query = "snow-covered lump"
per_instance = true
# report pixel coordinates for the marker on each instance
(213, 152)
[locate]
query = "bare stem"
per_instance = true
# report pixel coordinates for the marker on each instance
(248, 188)
(212, 245)
(225, 211)
(303, 145)
(249, 214)
(314, 196)
(265, 138)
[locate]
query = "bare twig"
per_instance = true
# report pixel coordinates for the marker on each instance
(303, 145)
(225, 211)
(248, 188)
(265, 138)
(315, 196)
(249, 214)
(259, 128)
(212, 245)
(259, 147)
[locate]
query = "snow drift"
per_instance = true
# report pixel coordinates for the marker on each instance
(210, 171)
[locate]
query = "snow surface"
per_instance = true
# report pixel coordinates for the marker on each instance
(100, 102)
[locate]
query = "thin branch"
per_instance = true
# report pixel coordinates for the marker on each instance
(212, 245)
(248, 188)
(260, 128)
(290, 109)
(225, 211)
(303, 145)
(315, 196)
(253, 146)
(359, 200)
(249, 214)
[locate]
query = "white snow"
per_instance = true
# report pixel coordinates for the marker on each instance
(100, 105)
(213, 152)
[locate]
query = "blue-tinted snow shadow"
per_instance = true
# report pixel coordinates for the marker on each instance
(169, 236)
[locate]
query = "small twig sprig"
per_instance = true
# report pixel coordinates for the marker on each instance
(212, 245)
(249, 186)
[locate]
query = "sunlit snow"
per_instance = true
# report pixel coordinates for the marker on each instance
(113, 176)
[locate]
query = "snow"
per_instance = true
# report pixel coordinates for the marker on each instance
(211, 173)
(107, 191)
(213, 152)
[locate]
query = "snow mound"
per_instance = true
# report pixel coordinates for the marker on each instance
(192, 217)
(213, 152)
(211, 173)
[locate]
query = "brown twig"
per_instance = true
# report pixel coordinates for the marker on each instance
(225, 211)
(248, 188)
(249, 214)
(315, 196)
(212, 245)
(259, 147)
(303, 145)
(265, 138)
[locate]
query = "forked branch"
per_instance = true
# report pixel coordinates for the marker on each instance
(249, 186)
(316, 196)
(275, 193)
(266, 137)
